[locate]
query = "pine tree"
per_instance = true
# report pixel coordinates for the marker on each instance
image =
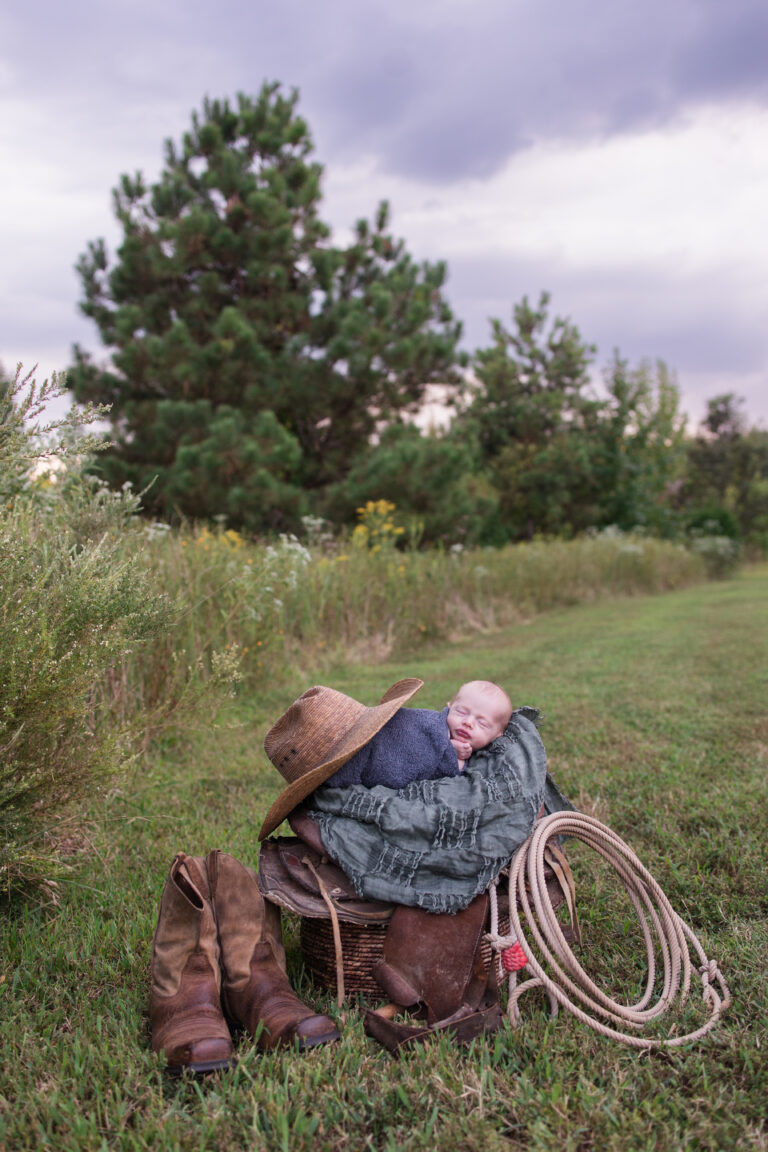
(251, 358)
(561, 457)
(529, 419)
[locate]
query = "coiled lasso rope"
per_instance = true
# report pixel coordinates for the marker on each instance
(565, 982)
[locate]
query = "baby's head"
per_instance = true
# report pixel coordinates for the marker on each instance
(478, 713)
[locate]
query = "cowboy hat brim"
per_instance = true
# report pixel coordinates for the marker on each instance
(365, 728)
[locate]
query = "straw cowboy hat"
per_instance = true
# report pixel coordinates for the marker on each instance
(320, 732)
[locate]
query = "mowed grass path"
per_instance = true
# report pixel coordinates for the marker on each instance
(655, 722)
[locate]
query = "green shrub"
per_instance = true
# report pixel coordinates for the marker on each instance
(713, 520)
(78, 603)
(68, 614)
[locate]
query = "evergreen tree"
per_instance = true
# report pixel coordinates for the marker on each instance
(560, 457)
(251, 359)
(532, 380)
(530, 418)
(641, 461)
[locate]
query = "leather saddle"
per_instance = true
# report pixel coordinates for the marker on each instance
(292, 875)
(431, 964)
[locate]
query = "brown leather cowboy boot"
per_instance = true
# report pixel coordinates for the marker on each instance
(256, 992)
(184, 1006)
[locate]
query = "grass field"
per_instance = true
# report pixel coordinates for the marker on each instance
(655, 722)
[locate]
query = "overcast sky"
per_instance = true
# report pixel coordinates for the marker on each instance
(614, 153)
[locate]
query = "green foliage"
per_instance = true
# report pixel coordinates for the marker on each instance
(68, 614)
(29, 440)
(251, 358)
(642, 453)
(531, 420)
(78, 606)
(560, 458)
(712, 519)
(70, 608)
(531, 380)
(727, 473)
(428, 478)
(236, 466)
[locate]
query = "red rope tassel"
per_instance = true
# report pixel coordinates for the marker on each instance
(513, 959)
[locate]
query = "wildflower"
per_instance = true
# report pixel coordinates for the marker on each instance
(377, 528)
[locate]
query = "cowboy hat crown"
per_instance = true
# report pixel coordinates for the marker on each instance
(320, 732)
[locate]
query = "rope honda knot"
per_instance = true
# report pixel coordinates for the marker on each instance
(709, 972)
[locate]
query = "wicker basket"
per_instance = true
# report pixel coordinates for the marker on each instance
(361, 946)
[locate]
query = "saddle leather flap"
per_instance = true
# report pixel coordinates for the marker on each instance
(435, 959)
(285, 879)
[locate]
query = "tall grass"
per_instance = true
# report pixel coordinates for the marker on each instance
(282, 608)
(655, 723)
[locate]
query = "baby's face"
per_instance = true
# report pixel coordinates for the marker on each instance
(477, 717)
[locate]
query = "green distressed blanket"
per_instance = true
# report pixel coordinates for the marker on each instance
(436, 844)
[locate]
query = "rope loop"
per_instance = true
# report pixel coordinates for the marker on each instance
(552, 964)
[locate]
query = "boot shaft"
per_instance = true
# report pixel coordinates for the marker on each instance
(435, 959)
(256, 992)
(185, 996)
(185, 926)
(238, 909)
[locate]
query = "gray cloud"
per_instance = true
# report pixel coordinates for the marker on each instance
(507, 74)
(438, 91)
(708, 332)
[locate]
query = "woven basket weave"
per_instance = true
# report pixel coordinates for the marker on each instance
(361, 946)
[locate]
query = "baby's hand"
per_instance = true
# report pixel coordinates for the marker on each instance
(463, 748)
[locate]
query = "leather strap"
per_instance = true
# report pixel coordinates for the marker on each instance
(558, 862)
(463, 1026)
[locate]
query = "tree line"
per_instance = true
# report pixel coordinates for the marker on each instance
(260, 371)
